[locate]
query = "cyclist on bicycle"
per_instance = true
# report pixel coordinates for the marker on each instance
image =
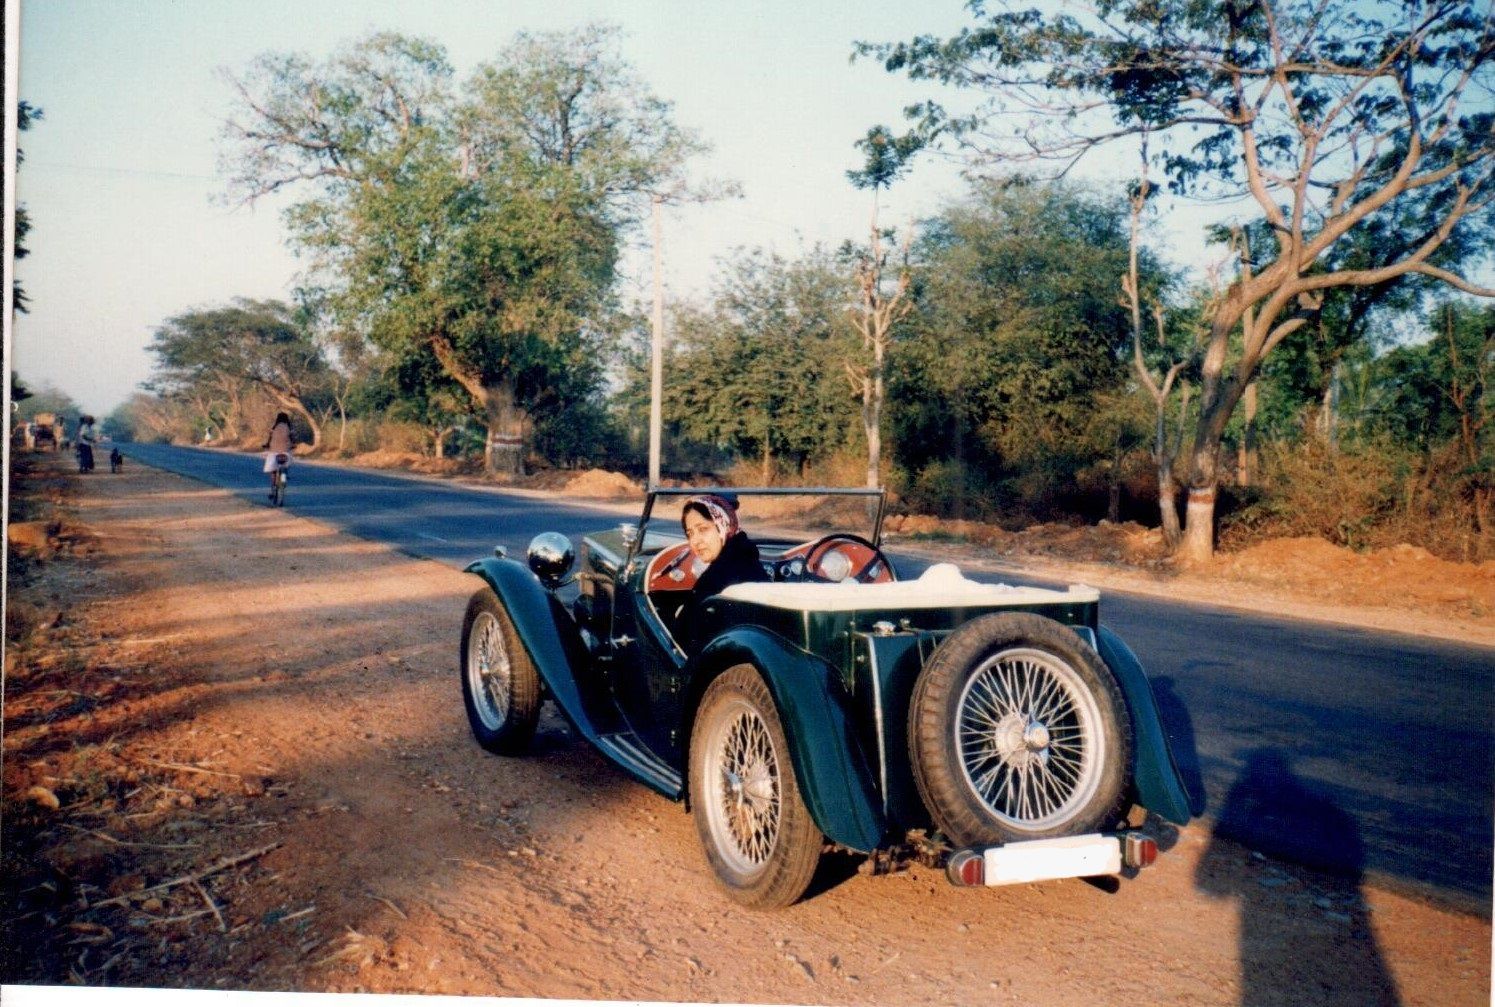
(278, 448)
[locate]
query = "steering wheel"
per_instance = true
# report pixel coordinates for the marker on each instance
(868, 564)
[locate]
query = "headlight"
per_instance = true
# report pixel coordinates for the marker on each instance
(550, 557)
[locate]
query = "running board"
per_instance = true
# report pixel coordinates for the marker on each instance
(629, 752)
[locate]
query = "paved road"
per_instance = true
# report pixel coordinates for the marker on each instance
(1355, 750)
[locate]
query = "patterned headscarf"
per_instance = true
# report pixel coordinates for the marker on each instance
(721, 513)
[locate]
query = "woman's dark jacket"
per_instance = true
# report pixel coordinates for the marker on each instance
(737, 564)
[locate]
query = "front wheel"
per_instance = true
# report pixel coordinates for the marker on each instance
(500, 687)
(756, 832)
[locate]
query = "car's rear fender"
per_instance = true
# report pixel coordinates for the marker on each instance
(1160, 785)
(549, 634)
(833, 776)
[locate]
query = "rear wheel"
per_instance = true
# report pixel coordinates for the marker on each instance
(1017, 730)
(278, 489)
(755, 830)
(500, 687)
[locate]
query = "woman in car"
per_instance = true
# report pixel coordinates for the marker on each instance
(716, 539)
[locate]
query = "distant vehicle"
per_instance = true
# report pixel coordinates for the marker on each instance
(44, 431)
(1001, 733)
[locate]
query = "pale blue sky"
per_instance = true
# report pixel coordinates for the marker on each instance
(121, 176)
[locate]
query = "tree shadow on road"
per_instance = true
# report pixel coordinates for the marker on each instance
(1302, 941)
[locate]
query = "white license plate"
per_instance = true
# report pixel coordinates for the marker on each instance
(1048, 859)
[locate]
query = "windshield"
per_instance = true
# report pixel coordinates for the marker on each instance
(774, 514)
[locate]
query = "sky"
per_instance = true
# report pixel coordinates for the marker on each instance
(130, 222)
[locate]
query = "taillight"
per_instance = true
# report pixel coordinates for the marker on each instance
(966, 867)
(1138, 850)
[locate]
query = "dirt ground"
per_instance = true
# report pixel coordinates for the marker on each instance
(235, 757)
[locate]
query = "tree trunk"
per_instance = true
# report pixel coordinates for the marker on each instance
(1329, 411)
(503, 449)
(342, 425)
(1113, 492)
(1168, 510)
(872, 427)
(1246, 455)
(311, 421)
(765, 472)
(503, 453)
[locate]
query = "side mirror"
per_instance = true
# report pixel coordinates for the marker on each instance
(550, 557)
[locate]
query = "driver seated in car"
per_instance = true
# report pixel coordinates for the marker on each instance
(716, 539)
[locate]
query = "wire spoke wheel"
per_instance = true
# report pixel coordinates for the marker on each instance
(1028, 737)
(500, 686)
(755, 830)
(489, 673)
(1017, 730)
(745, 797)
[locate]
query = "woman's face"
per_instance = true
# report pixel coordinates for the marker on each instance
(705, 541)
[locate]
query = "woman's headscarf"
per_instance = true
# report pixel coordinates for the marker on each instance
(721, 513)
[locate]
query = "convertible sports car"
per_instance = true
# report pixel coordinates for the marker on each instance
(999, 732)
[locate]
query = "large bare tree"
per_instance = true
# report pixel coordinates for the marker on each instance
(1327, 117)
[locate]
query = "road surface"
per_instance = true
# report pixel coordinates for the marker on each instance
(1362, 752)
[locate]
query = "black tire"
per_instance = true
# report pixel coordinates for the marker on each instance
(500, 687)
(1018, 730)
(278, 490)
(757, 835)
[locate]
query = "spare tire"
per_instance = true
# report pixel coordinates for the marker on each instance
(1018, 730)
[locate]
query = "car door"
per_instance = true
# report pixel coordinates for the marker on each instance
(645, 672)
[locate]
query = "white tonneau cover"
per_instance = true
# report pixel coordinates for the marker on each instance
(941, 586)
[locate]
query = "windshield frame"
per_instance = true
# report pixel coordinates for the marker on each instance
(656, 492)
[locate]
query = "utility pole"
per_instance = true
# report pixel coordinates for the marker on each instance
(656, 361)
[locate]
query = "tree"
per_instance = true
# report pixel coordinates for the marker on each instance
(477, 225)
(1327, 118)
(1017, 334)
(880, 307)
(759, 369)
(1171, 359)
(27, 115)
(215, 353)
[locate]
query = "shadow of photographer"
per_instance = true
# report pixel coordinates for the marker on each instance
(1299, 944)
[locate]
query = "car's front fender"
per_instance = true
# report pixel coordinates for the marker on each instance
(833, 777)
(1160, 785)
(549, 634)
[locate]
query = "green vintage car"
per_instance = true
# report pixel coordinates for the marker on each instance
(999, 732)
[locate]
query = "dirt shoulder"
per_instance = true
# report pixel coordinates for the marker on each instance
(235, 757)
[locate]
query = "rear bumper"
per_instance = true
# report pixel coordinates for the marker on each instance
(1093, 855)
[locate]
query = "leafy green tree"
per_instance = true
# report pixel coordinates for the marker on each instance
(1327, 117)
(47, 398)
(479, 225)
(761, 369)
(27, 115)
(1019, 329)
(212, 355)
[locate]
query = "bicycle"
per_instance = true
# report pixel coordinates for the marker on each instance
(278, 480)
